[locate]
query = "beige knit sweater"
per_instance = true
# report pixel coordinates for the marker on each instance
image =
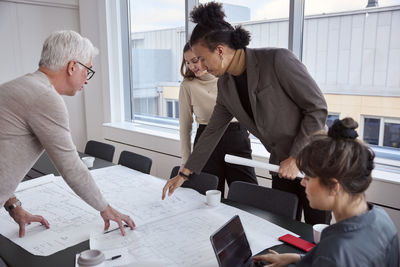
(33, 116)
(198, 97)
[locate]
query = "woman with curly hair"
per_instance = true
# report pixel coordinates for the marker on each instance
(337, 170)
(197, 95)
(268, 90)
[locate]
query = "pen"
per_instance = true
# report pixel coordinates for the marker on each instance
(114, 257)
(106, 232)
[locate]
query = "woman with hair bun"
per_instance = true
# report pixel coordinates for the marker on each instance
(268, 90)
(337, 170)
(197, 95)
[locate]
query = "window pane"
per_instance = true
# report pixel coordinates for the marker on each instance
(158, 36)
(391, 136)
(152, 105)
(176, 109)
(136, 105)
(371, 130)
(267, 21)
(353, 54)
(170, 109)
(331, 118)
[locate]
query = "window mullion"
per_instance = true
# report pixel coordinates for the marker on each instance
(381, 131)
(296, 24)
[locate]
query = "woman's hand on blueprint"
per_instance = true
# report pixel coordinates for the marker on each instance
(111, 214)
(22, 217)
(171, 185)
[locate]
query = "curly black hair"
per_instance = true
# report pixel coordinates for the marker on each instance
(212, 29)
(208, 14)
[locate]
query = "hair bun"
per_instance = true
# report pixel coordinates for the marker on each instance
(208, 14)
(344, 129)
(240, 37)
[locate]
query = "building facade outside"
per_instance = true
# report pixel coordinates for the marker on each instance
(354, 57)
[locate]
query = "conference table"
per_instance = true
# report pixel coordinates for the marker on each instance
(16, 256)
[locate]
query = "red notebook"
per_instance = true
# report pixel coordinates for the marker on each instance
(297, 242)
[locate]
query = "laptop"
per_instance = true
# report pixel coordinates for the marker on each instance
(231, 246)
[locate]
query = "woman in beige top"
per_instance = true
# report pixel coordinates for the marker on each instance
(197, 95)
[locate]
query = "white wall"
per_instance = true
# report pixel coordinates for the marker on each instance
(89, 14)
(24, 25)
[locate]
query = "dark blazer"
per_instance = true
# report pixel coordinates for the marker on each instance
(287, 105)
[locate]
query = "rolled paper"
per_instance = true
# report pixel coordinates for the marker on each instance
(254, 163)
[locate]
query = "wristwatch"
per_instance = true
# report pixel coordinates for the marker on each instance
(13, 206)
(185, 175)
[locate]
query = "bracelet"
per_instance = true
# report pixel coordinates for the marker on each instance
(185, 175)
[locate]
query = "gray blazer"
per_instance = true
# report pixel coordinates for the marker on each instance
(287, 105)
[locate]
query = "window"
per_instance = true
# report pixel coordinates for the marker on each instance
(267, 21)
(382, 131)
(371, 130)
(157, 40)
(353, 53)
(145, 105)
(391, 134)
(331, 118)
(172, 108)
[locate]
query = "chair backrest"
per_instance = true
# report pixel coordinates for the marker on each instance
(174, 172)
(200, 182)
(268, 199)
(135, 161)
(100, 150)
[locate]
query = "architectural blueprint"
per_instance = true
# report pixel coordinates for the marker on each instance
(174, 231)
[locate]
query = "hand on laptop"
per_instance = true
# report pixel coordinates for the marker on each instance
(278, 260)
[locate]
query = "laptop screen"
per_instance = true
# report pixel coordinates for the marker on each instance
(230, 244)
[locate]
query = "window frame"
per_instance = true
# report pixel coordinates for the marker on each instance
(296, 34)
(295, 40)
(382, 121)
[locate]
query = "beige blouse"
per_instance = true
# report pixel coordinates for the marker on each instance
(198, 97)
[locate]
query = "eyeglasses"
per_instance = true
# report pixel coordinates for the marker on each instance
(90, 72)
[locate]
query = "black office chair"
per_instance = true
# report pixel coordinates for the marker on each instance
(135, 161)
(100, 150)
(174, 172)
(201, 182)
(268, 199)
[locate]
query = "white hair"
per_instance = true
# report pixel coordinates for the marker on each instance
(63, 46)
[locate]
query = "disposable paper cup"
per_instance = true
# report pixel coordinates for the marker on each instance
(91, 258)
(317, 230)
(88, 161)
(213, 197)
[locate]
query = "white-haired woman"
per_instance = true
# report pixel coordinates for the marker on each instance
(33, 117)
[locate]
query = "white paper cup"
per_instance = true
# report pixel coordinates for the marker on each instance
(88, 161)
(317, 230)
(213, 197)
(91, 258)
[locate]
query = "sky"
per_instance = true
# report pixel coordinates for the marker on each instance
(161, 14)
